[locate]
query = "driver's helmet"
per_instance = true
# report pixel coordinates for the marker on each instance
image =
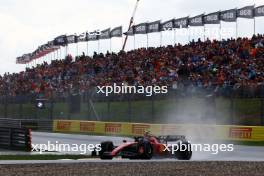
(147, 133)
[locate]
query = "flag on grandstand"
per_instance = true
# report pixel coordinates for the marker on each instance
(212, 18)
(26, 58)
(196, 21)
(71, 39)
(82, 37)
(246, 12)
(153, 26)
(105, 34)
(181, 22)
(229, 15)
(130, 31)
(116, 32)
(19, 60)
(38, 53)
(167, 25)
(51, 43)
(140, 28)
(259, 11)
(43, 50)
(60, 40)
(93, 36)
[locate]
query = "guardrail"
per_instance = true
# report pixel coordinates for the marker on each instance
(15, 138)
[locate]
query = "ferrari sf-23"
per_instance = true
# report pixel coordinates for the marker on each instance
(148, 146)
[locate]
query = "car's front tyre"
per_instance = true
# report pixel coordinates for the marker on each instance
(145, 150)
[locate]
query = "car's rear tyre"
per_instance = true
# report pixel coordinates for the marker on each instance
(106, 146)
(94, 153)
(184, 154)
(145, 150)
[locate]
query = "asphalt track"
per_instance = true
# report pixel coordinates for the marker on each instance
(243, 161)
(240, 153)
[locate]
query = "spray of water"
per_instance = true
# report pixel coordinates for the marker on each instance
(198, 116)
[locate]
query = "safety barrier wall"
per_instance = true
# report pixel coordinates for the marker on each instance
(15, 138)
(221, 132)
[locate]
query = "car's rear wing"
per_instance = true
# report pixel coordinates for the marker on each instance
(170, 138)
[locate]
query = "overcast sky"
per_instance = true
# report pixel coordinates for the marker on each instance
(27, 24)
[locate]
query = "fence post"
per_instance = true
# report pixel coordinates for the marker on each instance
(35, 107)
(20, 110)
(89, 96)
(51, 107)
(108, 109)
(262, 111)
(232, 110)
(67, 105)
(129, 109)
(5, 107)
(152, 108)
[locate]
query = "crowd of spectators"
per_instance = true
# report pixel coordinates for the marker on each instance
(232, 62)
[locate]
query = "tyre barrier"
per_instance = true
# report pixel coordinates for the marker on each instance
(34, 124)
(15, 138)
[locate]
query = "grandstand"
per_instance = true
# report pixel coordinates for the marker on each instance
(218, 72)
(231, 69)
(209, 65)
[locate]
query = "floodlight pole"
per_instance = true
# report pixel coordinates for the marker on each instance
(130, 24)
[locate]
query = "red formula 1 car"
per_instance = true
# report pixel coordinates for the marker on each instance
(147, 147)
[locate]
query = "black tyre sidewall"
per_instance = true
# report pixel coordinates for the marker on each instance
(106, 146)
(148, 150)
